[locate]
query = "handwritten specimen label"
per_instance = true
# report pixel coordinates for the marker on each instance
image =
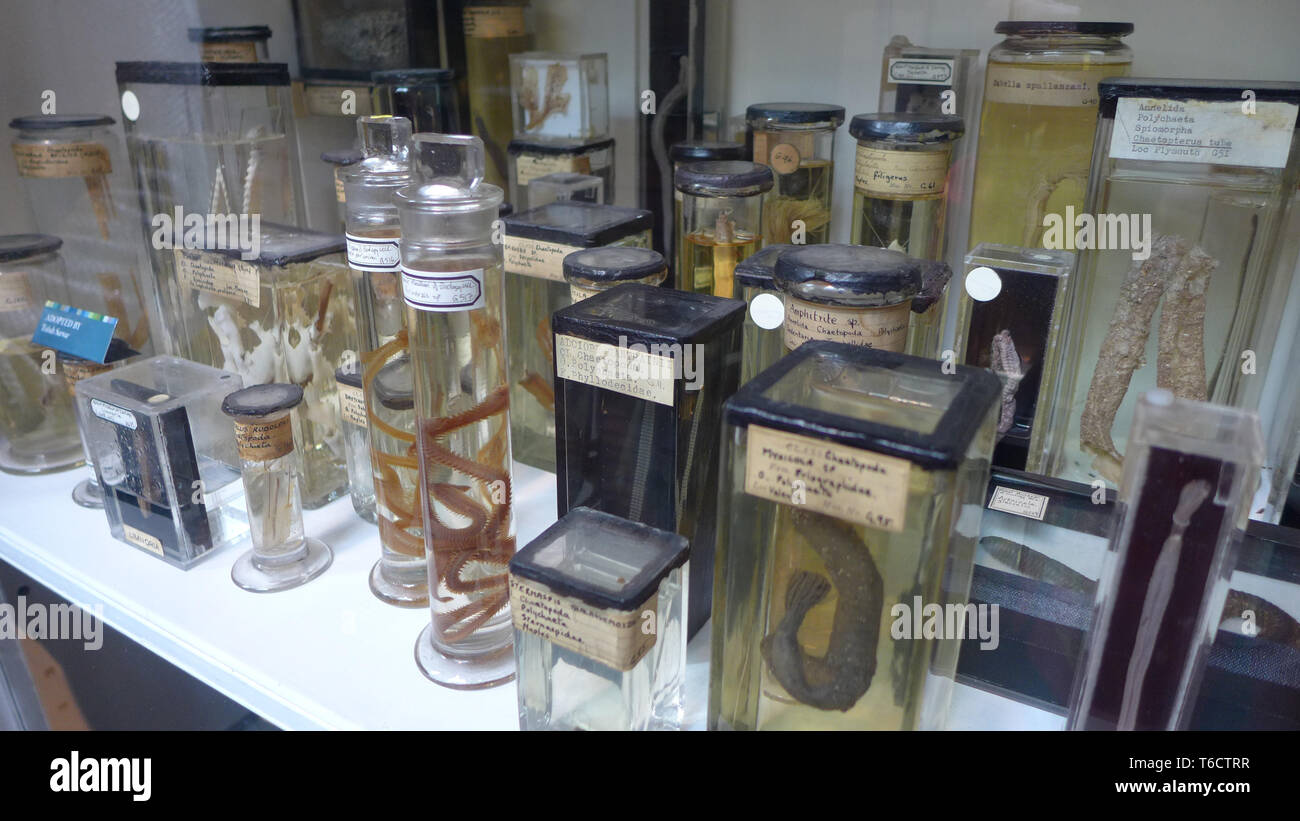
(920, 71)
(264, 441)
(443, 291)
(15, 291)
(536, 258)
(626, 370)
(1031, 86)
(53, 160)
(112, 413)
(352, 404)
(1202, 131)
(219, 275)
(338, 188)
(782, 151)
(374, 253)
(900, 174)
(1019, 502)
(529, 167)
(578, 293)
(614, 638)
(141, 539)
(884, 328)
(245, 52)
(846, 483)
(490, 22)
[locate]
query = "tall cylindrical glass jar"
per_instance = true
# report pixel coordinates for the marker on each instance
(797, 141)
(337, 160)
(720, 222)
(453, 284)
(494, 29)
(1040, 112)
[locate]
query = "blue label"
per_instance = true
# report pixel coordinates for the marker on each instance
(73, 331)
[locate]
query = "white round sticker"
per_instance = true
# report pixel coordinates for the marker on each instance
(767, 311)
(983, 284)
(130, 105)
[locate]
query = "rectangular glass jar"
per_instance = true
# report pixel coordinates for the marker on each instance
(558, 96)
(640, 376)
(530, 159)
(1193, 231)
(761, 345)
(536, 243)
(851, 493)
(164, 456)
(494, 29)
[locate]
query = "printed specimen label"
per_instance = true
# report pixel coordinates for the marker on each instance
(53, 160)
(219, 275)
(1019, 502)
(920, 71)
(782, 151)
(1201, 131)
(626, 370)
(1030, 86)
(443, 290)
(900, 174)
(494, 21)
(245, 52)
(141, 539)
(374, 253)
(884, 328)
(536, 258)
(112, 413)
(837, 480)
(614, 638)
(15, 291)
(264, 441)
(529, 167)
(352, 404)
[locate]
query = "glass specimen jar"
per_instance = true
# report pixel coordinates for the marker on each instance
(530, 159)
(37, 424)
(559, 97)
(563, 186)
(797, 141)
(164, 456)
(339, 159)
(399, 576)
(1187, 201)
(232, 44)
(536, 244)
(690, 151)
(88, 493)
(356, 440)
(1037, 124)
(598, 269)
(283, 555)
(285, 315)
(599, 613)
(74, 177)
(719, 222)
(494, 29)
(640, 376)
(452, 282)
(761, 344)
(425, 96)
(1011, 319)
(1189, 476)
(852, 485)
(351, 38)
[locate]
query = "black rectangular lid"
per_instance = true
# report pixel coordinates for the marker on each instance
(287, 244)
(646, 314)
(582, 224)
(1112, 89)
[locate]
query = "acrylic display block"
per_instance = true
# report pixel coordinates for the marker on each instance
(164, 456)
(852, 483)
(559, 96)
(598, 605)
(640, 377)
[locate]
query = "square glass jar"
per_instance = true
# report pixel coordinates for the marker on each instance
(558, 96)
(530, 159)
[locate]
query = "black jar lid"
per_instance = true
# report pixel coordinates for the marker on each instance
(203, 74)
(851, 273)
(262, 400)
(51, 122)
(412, 76)
(1112, 89)
(394, 384)
(755, 270)
(723, 178)
(907, 128)
(796, 113)
(14, 247)
(288, 244)
(350, 375)
(701, 151)
(558, 149)
(342, 156)
(613, 264)
(1063, 27)
(505, 209)
(576, 223)
(229, 34)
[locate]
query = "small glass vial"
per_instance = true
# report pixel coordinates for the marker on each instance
(559, 97)
(1012, 320)
(356, 440)
(565, 186)
(1037, 124)
(1189, 476)
(37, 424)
(425, 96)
(452, 282)
(232, 44)
(851, 487)
(762, 344)
(536, 244)
(719, 222)
(641, 373)
(599, 610)
(530, 159)
(797, 141)
(598, 269)
(338, 160)
(88, 493)
(283, 555)
(494, 29)
(164, 457)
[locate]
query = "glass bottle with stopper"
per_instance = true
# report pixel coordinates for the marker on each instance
(452, 282)
(338, 160)
(720, 222)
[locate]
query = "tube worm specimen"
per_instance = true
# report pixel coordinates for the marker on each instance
(1180, 362)
(537, 385)
(401, 512)
(553, 100)
(1005, 363)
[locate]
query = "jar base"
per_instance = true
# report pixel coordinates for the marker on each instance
(398, 595)
(88, 494)
(478, 672)
(250, 577)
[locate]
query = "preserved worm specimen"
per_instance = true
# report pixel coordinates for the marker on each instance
(1005, 363)
(1180, 362)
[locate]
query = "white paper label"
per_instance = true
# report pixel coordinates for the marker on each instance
(141, 539)
(614, 638)
(374, 253)
(1019, 502)
(15, 291)
(536, 258)
(529, 167)
(1202, 131)
(112, 413)
(626, 370)
(444, 291)
(352, 404)
(900, 174)
(884, 327)
(920, 72)
(219, 275)
(1041, 86)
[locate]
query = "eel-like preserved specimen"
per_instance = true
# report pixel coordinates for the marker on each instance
(1005, 363)
(1180, 363)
